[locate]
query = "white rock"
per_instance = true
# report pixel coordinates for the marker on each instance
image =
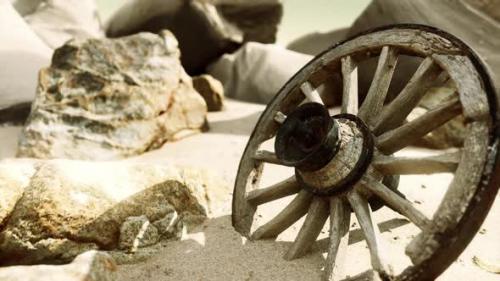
(257, 71)
(89, 266)
(57, 21)
(22, 54)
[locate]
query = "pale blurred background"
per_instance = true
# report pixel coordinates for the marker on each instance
(299, 18)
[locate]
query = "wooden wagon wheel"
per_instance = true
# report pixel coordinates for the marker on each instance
(340, 162)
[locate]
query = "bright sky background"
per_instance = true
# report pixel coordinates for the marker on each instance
(300, 16)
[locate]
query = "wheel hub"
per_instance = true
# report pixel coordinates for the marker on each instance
(330, 154)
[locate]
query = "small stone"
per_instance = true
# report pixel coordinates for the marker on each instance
(137, 232)
(169, 226)
(211, 90)
(89, 266)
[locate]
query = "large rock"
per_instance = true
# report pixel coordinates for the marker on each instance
(457, 17)
(89, 266)
(257, 71)
(73, 206)
(15, 176)
(111, 98)
(22, 54)
(205, 29)
(57, 21)
(258, 19)
(317, 42)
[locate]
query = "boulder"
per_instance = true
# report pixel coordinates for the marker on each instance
(57, 21)
(205, 29)
(111, 98)
(22, 54)
(317, 42)
(257, 71)
(259, 20)
(89, 266)
(15, 176)
(211, 90)
(72, 206)
(460, 18)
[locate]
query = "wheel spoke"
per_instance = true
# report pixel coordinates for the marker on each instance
(311, 94)
(395, 202)
(442, 163)
(403, 136)
(282, 189)
(315, 220)
(377, 93)
(350, 88)
(267, 156)
(397, 111)
(340, 220)
(288, 216)
(363, 213)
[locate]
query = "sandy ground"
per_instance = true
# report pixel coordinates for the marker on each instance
(214, 251)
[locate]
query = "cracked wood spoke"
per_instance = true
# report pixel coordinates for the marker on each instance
(403, 136)
(288, 216)
(267, 156)
(396, 112)
(340, 219)
(395, 201)
(350, 86)
(374, 101)
(363, 213)
(282, 189)
(311, 94)
(443, 163)
(315, 220)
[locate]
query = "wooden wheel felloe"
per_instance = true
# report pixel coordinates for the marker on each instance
(353, 152)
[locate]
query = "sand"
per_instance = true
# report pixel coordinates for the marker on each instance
(214, 251)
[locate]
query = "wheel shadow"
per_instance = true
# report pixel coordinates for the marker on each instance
(214, 251)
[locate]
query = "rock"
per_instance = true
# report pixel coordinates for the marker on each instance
(170, 226)
(137, 232)
(14, 178)
(22, 54)
(24, 7)
(111, 98)
(317, 42)
(259, 20)
(89, 266)
(257, 71)
(474, 28)
(71, 206)
(57, 21)
(211, 90)
(218, 26)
